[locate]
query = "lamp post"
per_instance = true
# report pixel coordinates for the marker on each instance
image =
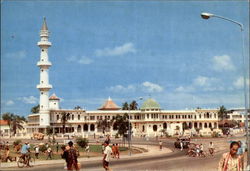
(129, 130)
(205, 15)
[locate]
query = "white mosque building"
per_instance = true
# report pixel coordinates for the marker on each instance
(149, 120)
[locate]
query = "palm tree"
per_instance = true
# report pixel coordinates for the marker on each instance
(133, 105)
(222, 112)
(104, 124)
(14, 121)
(64, 119)
(77, 107)
(8, 117)
(125, 106)
(35, 109)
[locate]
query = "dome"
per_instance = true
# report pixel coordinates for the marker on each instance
(150, 104)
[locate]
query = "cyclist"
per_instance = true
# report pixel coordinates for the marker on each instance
(25, 151)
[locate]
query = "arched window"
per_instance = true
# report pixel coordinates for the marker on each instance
(79, 128)
(195, 124)
(215, 125)
(205, 125)
(73, 117)
(57, 117)
(85, 127)
(164, 125)
(210, 125)
(154, 128)
(200, 125)
(207, 115)
(79, 117)
(92, 127)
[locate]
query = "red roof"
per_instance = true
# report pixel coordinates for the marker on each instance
(109, 105)
(54, 97)
(3, 122)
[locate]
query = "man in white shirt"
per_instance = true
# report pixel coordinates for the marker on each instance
(106, 156)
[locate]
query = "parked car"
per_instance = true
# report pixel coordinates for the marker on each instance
(185, 141)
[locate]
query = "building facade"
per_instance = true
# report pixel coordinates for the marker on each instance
(149, 120)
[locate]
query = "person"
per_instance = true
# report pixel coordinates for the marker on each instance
(113, 151)
(211, 148)
(117, 150)
(106, 156)
(181, 144)
(160, 143)
(25, 150)
(57, 147)
(201, 149)
(36, 151)
(240, 150)
(197, 146)
(70, 156)
(231, 161)
(87, 150)
(7, 154)
(49, 151)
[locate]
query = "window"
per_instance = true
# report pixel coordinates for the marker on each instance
(73, 117)
(92, 117)
(42, 70)
(54, 103)
(57, 117)
(148, 116)
(42, 50)
(78, 117)
(41, 93)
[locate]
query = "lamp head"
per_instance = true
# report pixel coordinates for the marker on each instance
(205, 15)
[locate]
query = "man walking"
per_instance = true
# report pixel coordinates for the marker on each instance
(36, 151)
(71, 157)
(160, 144)
(106, 156)
(49, 151)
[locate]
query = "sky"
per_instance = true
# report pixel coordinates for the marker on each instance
(125, 50)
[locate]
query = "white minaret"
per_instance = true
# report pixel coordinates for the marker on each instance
(44, 85)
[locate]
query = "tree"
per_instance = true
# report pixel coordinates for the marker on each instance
(222, 114)
(78, 107)
(133, 105)
(122, 124)
(49, 132)
(14, 121)
(64, 119)
(125, 106)
(104, 124)
(35, 109)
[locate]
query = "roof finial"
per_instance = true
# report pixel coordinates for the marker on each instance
(44, 27)
(109, 98)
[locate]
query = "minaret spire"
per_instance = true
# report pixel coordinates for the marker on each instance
(44, 65)
(44, 27)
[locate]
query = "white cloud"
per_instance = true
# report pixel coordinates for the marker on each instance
(239, 83)
(151, 87)
(222, 63)
(203, 81)
(123, 89)
(16, 55)
(29, 100)
(81, 60)
(184, 89)
(116, 51)
(9, 102)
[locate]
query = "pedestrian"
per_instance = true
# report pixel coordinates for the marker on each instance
(87, 150)
(201, 149)
(113, 151)
(197, 150)
(57, 147)
(211, 148)
(160, 143)
(36, 151)
(181, 144)
(70, 155)
(46, 145)
(49, 151)
(231, 161)
(117, 150)
(7, 154)
(106, 156)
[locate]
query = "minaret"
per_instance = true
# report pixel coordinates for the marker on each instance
(44, 85)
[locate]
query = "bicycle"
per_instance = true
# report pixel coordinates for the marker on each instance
(21, 162)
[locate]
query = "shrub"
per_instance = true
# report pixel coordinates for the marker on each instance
(82, 142)
(17, 142)
(43, 148)
(215, 135)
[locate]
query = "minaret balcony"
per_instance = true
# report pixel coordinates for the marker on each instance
(44, 43)
(44, 63)
(44, 86)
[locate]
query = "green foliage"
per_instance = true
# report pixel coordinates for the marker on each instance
(222, 114)
(215, 135)
(35, 109)
(14, 121)
(43, 148)
(78, 107)
(49, 130)
(104, 124)
(133, 105)
(17, 142)
(82, 142)
(125, 106)
(122, 124)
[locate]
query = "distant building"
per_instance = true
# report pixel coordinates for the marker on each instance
(149, 120)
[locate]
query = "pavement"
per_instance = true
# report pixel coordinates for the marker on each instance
(149, 150)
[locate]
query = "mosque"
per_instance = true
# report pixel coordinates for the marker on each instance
(149, 120)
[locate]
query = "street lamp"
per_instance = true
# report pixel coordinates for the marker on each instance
(205, 15)
(129, 130)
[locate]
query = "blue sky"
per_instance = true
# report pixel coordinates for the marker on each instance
(125, 50)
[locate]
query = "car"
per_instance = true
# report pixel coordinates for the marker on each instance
(186, 142)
